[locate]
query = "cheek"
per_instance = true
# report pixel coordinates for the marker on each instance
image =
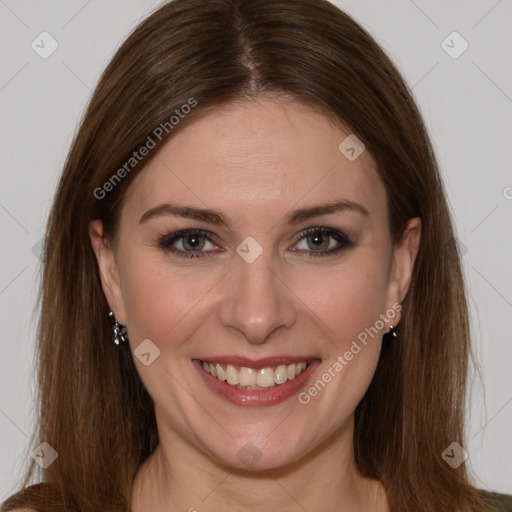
(353, 297)
(354, 300)
(161, 300)
(158, 298)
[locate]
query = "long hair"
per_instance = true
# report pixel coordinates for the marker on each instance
(93, 408)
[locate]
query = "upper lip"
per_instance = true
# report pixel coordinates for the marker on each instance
(263, 362)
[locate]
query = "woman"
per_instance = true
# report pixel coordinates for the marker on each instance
(252, 297)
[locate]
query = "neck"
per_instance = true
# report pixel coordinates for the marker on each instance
(178, 477)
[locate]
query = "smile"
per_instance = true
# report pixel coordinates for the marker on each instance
(252, 378)
(261, 383)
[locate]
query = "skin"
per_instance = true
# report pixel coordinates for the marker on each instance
(255, 161)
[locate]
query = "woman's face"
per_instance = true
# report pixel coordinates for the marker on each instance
(289, 261)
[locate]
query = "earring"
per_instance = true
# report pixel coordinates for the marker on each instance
(389, 337)
(392, 332)
(117, 330)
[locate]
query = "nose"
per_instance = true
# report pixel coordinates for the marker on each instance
(257, 301)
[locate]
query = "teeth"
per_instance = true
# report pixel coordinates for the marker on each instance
(265, 378)
(281, 374)
(249, 378)
(221, 374)
(232, 375)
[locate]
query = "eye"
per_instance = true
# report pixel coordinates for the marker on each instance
(189, 243)
(196, 243)
(323, 242)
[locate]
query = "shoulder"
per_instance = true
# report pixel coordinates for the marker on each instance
(501, 502)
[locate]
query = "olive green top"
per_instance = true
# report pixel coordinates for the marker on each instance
(503, 503)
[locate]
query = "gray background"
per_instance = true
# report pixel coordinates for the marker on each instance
(467, 105)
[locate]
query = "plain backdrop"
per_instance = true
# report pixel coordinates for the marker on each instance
(465, 97)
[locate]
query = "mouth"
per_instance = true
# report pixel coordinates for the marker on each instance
(256, 383)
(251, 378)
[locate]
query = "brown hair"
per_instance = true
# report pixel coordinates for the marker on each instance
(94, 409)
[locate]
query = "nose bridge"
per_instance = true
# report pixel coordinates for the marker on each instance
(257, 302)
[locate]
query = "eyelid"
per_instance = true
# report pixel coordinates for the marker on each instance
(165, 241)
(344, 241)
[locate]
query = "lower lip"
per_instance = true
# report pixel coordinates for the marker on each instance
(253, 397)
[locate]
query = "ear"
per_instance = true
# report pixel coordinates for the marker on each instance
(404, 256)
(107, 266)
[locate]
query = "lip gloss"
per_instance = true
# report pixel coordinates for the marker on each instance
(255, 397)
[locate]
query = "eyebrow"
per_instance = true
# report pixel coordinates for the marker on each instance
(219, 219)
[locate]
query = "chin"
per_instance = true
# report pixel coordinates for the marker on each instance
(265, 453)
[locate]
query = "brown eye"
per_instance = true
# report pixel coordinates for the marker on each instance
(187, 244)
(322, 242)
(318, 241)
(193, 242)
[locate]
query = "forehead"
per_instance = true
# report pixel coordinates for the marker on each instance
(259, 156)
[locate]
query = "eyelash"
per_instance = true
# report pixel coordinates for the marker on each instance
(165, 242)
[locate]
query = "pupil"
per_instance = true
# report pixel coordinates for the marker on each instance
(318, 240)
(192, 241)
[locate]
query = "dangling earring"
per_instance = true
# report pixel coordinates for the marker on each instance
(389, 337)
(117, 331)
